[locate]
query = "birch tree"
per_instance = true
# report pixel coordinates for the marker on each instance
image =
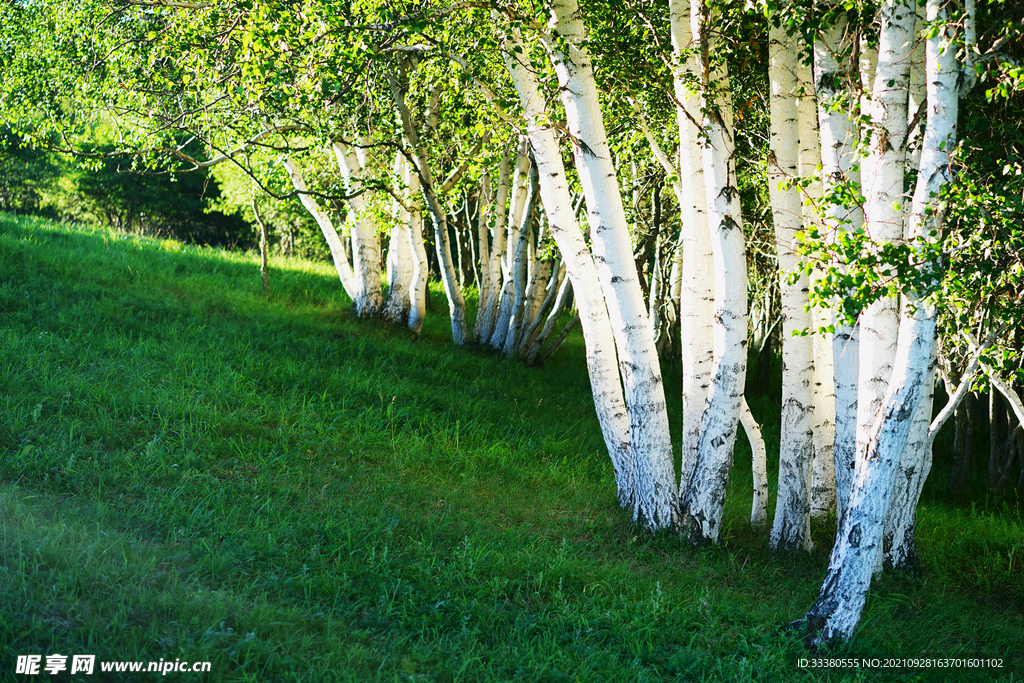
(792, 527)
(353, 160)
(837, 610)
(602, 358)
(650, 439)
(823, 478)
(697, 293)
(323, 219)
(703, 496)
(837, 86)
(418, 160)
(402, 263)
(490, 292)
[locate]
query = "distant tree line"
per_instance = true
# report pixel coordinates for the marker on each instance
(195, 208)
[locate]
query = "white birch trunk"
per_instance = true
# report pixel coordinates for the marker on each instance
(834, 78)
(485, 320)
(838, 608)
(561, 301)
(650, 441)
(399, 269)
(696, 289)
(540, 272)
(520, 268)
(503, 319)
(366, 261)
(916, 96)
(823, 477)
(418, 283)
(506, 295)
(704, 497)
(884, 198)
(884, 205)
(899, 539)
(556, 297)
(485, 214)
(823, 471)
(899, 545)
(867, 63)
(791, 529)
(654, 297)
(323, 220)
(941, 99)
(602, 360)
(420, 267)
(520, 187)
(449, 276)
(759, 466)
(400, 258)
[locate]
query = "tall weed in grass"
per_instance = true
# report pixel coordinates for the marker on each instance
(193, 471)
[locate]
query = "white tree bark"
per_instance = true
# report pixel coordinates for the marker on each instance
(400, 257)
(602, 359)
(418, 283)
(884, 204)
(884, 197)
(899, 539)
(520, 187)
(650, 441)
(916, 96)
(506, 298)
(449, 275)
(837, 610)
(539, 274)
(936, 95)
(492, 269)
(323, 220)
(520, 268)
(696, 288)
(366, 262)
(562, 300)
(823, 471)
(558, 296)
(867, 64)
(704, 497)
(485, 215)
(834, 79)
(510, 241)
(791, 529)
(823, 477)
(656, 293)
(759, 466)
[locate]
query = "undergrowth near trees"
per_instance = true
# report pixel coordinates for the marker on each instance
(192, 470)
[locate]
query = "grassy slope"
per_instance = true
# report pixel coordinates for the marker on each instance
(190, 471)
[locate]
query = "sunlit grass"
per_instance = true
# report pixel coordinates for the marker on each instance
(192, 470)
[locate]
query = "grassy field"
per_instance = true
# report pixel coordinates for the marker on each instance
(191, 471)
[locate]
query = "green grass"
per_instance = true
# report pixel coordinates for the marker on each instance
(190, 470)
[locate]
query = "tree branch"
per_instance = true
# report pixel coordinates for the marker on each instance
(965, 384)
(997, 381)
(453, 178)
